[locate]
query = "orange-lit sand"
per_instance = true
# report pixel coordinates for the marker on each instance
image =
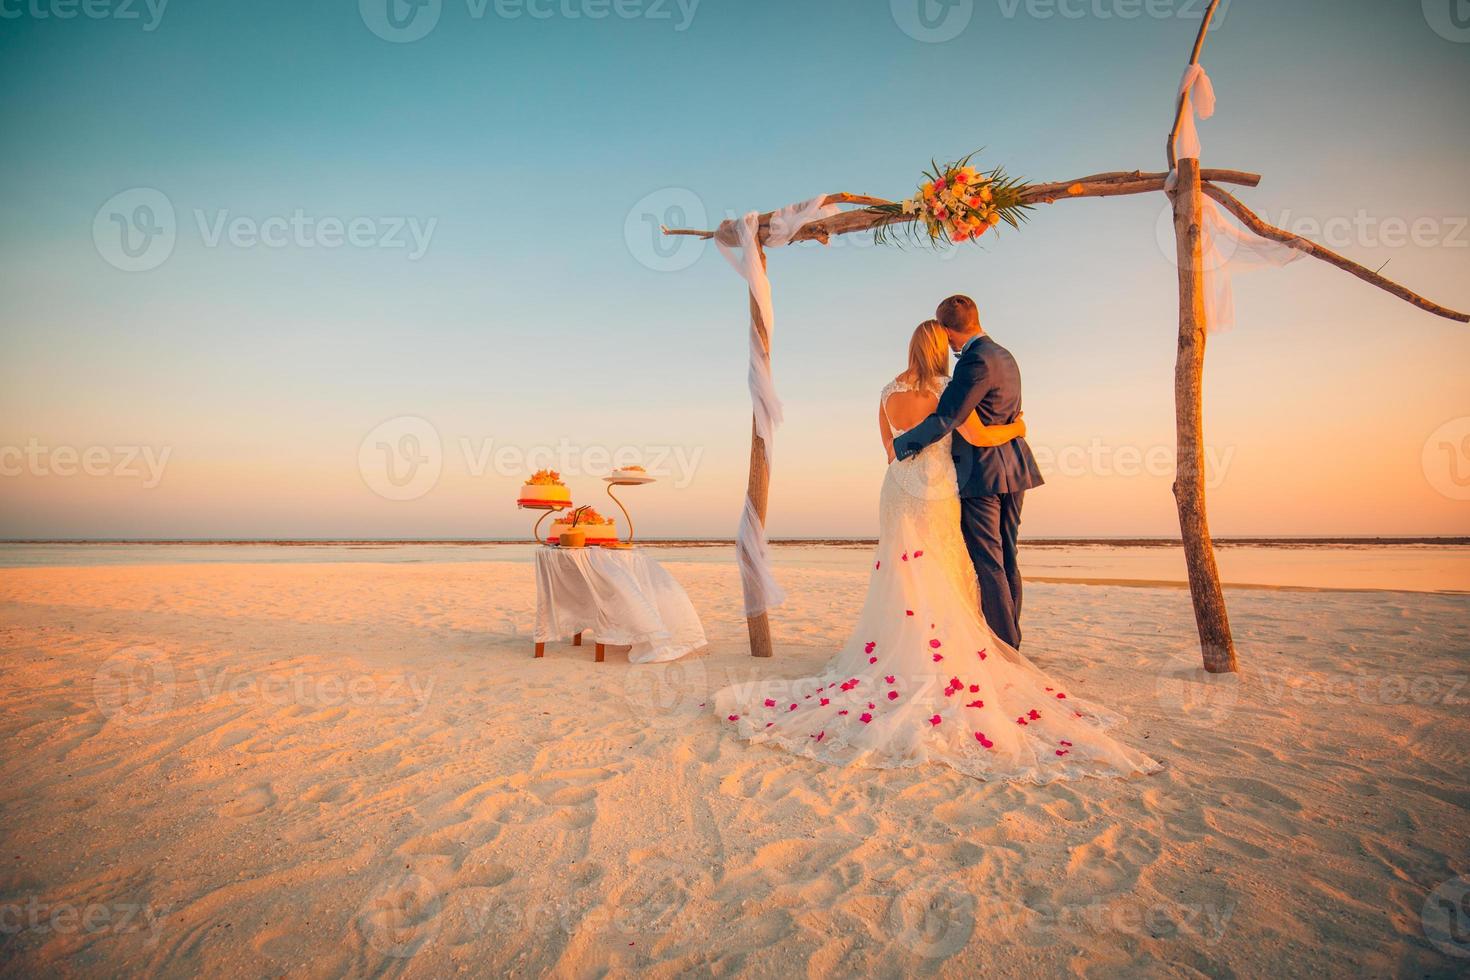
(359, 768)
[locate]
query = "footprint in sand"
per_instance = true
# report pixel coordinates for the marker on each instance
(251, 801)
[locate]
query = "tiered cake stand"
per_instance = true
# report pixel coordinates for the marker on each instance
(624, 481)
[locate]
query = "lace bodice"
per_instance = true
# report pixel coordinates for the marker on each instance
(897, 386)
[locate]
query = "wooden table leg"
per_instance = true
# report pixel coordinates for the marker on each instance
(577, 640)
(540, 650)
(601, 653)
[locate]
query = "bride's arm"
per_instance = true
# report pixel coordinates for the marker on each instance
(885, 432)
(991, 435)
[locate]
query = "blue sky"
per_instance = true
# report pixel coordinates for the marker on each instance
(539, 311)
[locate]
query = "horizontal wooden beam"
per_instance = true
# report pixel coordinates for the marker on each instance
(1111, 184)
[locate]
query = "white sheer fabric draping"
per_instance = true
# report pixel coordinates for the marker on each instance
(761, 589)
(1198, 93)
(624, 597)
(1225, 249)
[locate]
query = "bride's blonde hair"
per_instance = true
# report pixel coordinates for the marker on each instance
(928, 355)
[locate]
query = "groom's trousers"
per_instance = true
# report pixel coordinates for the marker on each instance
(992, 526)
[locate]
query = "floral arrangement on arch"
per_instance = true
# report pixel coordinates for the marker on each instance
(957, 203)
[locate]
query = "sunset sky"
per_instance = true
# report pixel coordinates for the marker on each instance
(461, 229)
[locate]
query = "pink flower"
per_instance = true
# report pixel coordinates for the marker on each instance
(974, 688)
(1061, 751)
(843, 711)
(905, 556)
(821, 735)
(870, 647)
(938, 657)
(893, 695)
(871, 706)
(792, 708)
(865, 718)
(733, 718)
(980, 737)
(1066, 743)
(1021, 721)
(770, 702)
(918, 554)
(1034, 715)
(769, 724)
(877, 565)
(976, 704)
(889, 678)
(935, 720)
(935, 644)
(908, 612)
(1061, 696)
(826, 701)
(872, 660)
(981, 654)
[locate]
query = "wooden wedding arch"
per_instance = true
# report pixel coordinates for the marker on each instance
(1186, 192)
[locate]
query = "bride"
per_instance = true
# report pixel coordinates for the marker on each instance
(922, 678)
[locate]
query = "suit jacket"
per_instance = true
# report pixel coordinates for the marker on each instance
(988, 380)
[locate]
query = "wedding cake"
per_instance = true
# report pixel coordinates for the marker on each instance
(545, 489)
(629, 473)
(599, 529)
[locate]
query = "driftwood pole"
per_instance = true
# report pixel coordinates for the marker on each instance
(1210, 616)
(1189, 479)
(758, 488)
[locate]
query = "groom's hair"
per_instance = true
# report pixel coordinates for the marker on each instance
(958, 313)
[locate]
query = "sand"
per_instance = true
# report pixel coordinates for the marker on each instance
(319, 769)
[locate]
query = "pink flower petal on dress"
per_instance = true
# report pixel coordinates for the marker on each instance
(935, 720)
(893, 695)
(980, 654)
(877, 565)
(843, 711)
(976, 704)
(770, 702)
(908, 612)
(1034, 715)
(865, 718)
(905, 556)
(918, 554)
(1061, 751)
(935, 644)
(974, 688)
(870, 647)
(820, 736)
(792, 708)
(826, 701)
(872, 660)
(938, 657)
(1066, 743)
(1022, 721)
(733, 718)
(889, 678)
(1061, 696)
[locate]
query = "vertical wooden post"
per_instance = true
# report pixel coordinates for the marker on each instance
(1189, 480)
(758, 489)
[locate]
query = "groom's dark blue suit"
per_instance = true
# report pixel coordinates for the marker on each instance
(993, 480)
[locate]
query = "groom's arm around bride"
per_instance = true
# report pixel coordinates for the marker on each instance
(993, 480)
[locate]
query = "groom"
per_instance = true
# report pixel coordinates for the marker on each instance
(993, 479)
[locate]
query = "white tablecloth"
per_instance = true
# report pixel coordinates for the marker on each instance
(624, 597)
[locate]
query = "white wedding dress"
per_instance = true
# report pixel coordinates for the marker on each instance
(922, 679)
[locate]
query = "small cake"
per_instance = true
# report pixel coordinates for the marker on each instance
(599, 529)
(545, 489)
(630, 473)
